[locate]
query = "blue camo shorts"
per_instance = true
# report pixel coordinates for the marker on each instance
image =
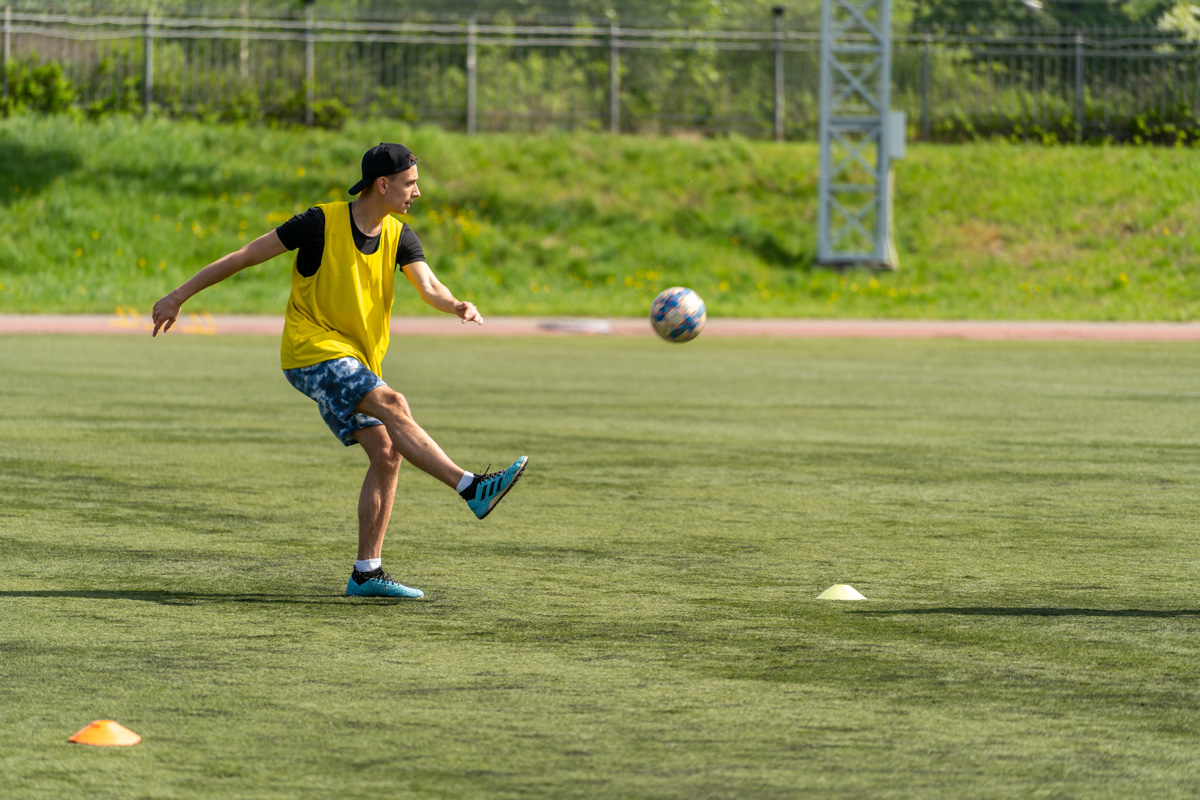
(338, 386)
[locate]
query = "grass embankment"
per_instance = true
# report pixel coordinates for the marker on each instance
(97, 216)
(637, 620)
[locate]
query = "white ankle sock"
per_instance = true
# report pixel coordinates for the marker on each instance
(368, 564)
(466, 481)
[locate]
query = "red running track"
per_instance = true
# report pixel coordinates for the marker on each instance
(206, 325)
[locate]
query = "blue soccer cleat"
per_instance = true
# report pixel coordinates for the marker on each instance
(378, 583)
(486, 490)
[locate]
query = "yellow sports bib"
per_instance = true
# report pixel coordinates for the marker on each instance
(344, 309)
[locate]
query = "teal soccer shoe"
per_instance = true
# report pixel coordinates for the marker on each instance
(486, 490)
(378, 583)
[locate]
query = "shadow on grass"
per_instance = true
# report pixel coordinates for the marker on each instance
(1035, 611)
(169, 598)
(206, 180)
(31, 167)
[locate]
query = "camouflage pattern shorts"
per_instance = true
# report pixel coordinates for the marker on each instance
(338, 386)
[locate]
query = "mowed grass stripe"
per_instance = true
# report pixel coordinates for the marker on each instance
(638, 618)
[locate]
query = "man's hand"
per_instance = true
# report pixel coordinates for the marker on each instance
(166, 311)
(468, 313)
(435, 294)
(265, 247)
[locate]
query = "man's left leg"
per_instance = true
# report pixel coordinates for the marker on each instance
(374, 512)
(378, 490)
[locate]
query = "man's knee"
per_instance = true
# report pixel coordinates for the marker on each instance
(389, 405)
(385, 457)
(379, 448)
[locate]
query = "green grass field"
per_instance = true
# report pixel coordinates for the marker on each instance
(95, 216)
(637, 620)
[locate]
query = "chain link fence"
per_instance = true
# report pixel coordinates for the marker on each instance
(1087, 84)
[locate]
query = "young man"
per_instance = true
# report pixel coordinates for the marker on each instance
(336, 333)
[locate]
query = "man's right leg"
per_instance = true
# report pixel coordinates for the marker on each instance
(481, 492)
(410, 439)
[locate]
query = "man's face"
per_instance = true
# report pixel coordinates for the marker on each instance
(402, 190)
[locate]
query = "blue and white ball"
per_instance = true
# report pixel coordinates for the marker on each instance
(678, 314)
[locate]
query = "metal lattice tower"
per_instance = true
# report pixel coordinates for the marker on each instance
(859, 135)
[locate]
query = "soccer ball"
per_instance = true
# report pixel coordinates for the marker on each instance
(678, 314)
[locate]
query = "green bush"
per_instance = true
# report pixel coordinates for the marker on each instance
(663, 92)
(38, 88)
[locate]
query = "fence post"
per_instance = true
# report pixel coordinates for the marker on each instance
(244, 47)
(148, 66)
(310, 65)
(926, 122)
(1079, 87)
(777, 11)
(4, 56)
(472, 77)
(614, 80)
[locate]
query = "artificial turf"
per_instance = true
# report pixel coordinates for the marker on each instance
(638, 618)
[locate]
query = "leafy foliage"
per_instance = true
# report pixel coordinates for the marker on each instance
(36, 87)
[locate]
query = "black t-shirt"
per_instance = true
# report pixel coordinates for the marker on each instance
(307, 232)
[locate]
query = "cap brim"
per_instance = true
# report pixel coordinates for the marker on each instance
(358, 187)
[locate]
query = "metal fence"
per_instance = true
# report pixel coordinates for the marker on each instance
(487, 77)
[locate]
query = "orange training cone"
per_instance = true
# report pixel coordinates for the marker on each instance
(106, 733)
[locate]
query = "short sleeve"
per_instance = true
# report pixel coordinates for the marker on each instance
(410, 250)
(303, 230)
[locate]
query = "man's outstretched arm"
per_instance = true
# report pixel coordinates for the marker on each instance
(264, 248)
(435, 293)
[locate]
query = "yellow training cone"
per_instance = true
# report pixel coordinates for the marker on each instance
(106, 733)
(841, 591)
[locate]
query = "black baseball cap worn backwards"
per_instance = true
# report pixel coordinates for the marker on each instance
(382, 160)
